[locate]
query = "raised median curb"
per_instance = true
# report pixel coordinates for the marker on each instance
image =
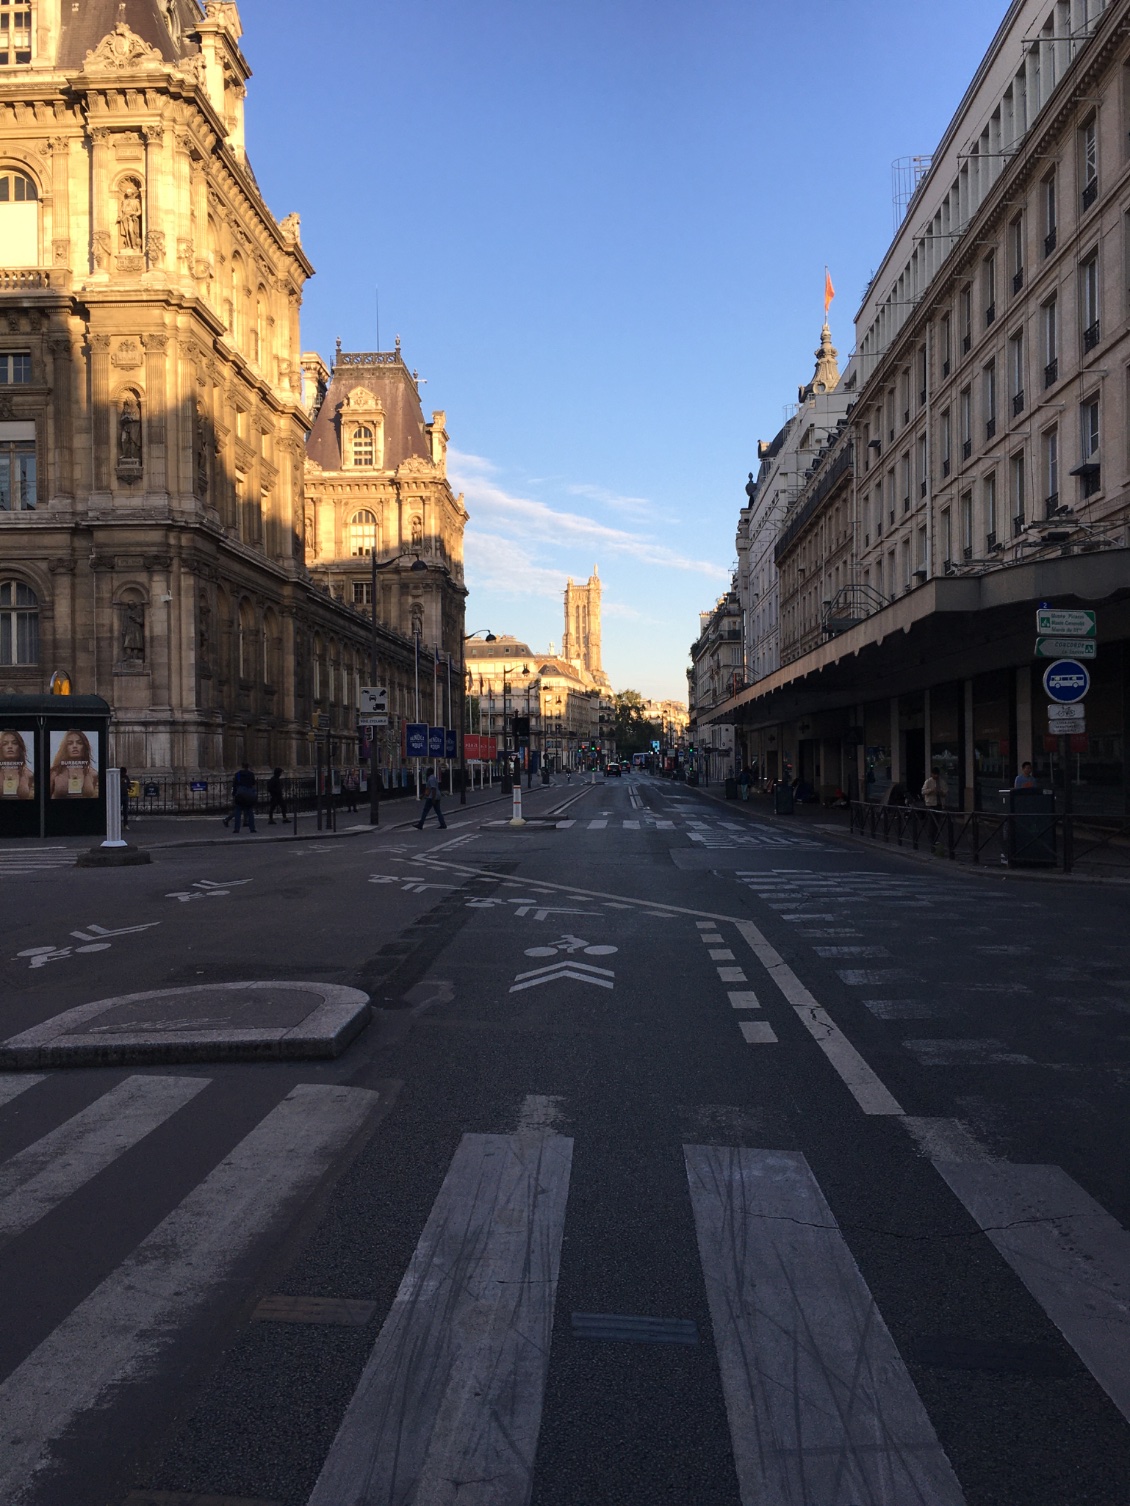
(199, 1023)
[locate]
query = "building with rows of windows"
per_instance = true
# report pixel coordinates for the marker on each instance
(152, 419)
(983, 464)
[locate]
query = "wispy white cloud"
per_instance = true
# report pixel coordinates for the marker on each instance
(636, 507)
(536, 522)
(496, 563)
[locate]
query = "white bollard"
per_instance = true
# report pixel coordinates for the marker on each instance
(114, 809)
(516, 816)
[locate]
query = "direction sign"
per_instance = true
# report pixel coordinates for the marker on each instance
(416, 740)
(370, 719)
(1066, 680)
(1055, 648)
(321, 721)
(1069, 624)
(374, 700)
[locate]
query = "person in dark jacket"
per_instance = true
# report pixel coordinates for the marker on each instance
(275, 796)
(243, 794)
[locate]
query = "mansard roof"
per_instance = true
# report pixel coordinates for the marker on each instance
(164, 24)
(384, 374)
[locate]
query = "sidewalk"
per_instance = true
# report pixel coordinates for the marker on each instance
(164, 833)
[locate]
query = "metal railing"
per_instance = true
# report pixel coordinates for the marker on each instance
(1050, 840)
(211, 796)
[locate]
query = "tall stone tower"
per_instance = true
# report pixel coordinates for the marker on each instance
(581, 643)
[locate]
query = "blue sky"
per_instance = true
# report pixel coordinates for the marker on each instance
(600, 229)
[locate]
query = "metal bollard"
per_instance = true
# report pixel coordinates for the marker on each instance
(114, 809)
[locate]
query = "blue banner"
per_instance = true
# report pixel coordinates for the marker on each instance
(436, 742)
(450, 736)
(416, 740)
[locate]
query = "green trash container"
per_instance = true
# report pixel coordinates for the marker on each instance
(1030, 841)
(783, 804)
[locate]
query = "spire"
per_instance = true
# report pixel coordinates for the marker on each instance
(826, 377)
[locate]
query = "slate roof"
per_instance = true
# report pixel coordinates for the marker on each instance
(390, 380)
(84, 26)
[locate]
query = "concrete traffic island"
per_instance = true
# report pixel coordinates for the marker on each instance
(113, 857)
(203, 1023)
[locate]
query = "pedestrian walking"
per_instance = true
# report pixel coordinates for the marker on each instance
(431, 801)
(123, 796)
(243, 795)
(275, 797)
(351, 784)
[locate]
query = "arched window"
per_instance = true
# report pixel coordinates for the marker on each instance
(362, 533)
(19, 623)
(363, 446)
(19, 217)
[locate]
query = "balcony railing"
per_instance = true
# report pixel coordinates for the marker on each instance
(990, 428)
(1051, 505)
(1049, 242)
(1018, 279)
(1051, 372)
(1091, 336)
(1090, 193)
(1018, 403)
(966, 449)
(990, 314)
(946, 466)
(33, 279)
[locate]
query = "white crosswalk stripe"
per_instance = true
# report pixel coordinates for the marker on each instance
(820, 1404)
(118, 1334)
(29, 857)
(40, 1177)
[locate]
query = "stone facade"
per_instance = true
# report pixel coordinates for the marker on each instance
(151, 419)
(581, 643)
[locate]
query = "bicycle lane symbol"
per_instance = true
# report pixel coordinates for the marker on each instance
(570, 944)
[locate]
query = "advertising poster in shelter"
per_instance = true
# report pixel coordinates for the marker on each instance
(17, 764)
(74, 765)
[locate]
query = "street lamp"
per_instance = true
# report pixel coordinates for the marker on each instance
(416, 566)
(531, 685)
(488, 637)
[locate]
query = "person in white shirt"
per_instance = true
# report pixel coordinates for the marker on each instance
(431, 801)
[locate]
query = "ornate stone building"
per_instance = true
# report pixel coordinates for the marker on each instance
(151, 421)
(581, 643)
(376, 479)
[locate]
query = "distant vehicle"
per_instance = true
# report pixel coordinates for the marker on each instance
(610, 769)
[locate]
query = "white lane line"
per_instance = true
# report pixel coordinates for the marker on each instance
(861, 1082)
(820, 1405)
(945, 1139)
(40, 1177)
(597, 825)
(1069, 1252)
(540, 1114)
(630, 825)
(851, 951)
(732, 975)
(12, 1084)
(721, 954)
(705, 925)
(758, 1032)
(871, 977)
(565, 825)
(121, 1332)
(452, 1391)
(744, 999)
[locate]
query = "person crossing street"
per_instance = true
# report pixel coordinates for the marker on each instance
(431, 801)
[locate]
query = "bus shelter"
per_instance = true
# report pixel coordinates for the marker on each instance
(53, 752)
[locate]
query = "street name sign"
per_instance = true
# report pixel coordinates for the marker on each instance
(1067, 624)
(1066, 681)
(1056, 648)
(372, 719)
(374, 700)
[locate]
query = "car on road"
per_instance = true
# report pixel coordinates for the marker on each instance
(610, 769)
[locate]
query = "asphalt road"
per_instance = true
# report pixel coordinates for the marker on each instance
(689, 1157)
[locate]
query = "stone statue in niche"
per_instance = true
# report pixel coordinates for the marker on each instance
(129, 433)
(417, 530)
(133, 633)
(201, 451)
(417, 620)
(308, 533)
(129, 215)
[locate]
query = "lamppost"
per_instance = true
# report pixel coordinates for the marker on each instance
(531, 685)
(416, 566)
(488, 637)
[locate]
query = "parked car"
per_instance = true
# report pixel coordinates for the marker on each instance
(610, 769)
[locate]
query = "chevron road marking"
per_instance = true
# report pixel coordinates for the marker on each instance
(580, 971)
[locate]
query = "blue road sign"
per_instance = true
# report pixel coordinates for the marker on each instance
(1066, 681)
(436, 741)
(416, 740)
(449, 736)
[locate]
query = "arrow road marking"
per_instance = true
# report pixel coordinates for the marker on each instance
(581, 972)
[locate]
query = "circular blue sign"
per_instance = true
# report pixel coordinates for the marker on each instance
(1066, 680)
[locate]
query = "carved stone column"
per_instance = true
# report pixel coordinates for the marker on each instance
(60, 250)
(156, 402)
(155, 207)
(101, 210)
(61, 451)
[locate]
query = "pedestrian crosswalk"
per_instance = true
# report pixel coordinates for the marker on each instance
(820, 1403)
(711, 835)
(31, 857)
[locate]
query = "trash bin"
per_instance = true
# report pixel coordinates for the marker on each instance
(1030, 840)
(783, 800)
(545, 776)
(731, 789)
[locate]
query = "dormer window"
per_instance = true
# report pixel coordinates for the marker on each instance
(15, 33)
(363, 446)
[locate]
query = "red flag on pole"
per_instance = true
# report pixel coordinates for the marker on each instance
(829, 291)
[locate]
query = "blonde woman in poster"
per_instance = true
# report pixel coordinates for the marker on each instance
(17, 770)
(74, 766)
